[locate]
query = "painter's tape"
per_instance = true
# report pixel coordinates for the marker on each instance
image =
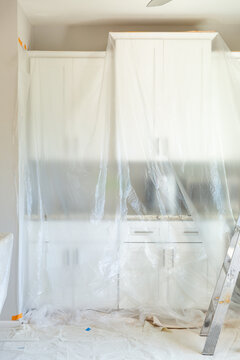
(17, 317)
(20, 42)
(24, 46)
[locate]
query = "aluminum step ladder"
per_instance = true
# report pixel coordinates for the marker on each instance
(222, 294)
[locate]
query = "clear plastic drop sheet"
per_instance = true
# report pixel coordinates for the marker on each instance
(130, 168)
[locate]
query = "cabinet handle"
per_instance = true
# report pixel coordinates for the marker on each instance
(139, 232)
(66, 258)
(173, 258)
(76, 257)
(191, 232)
(170, 256)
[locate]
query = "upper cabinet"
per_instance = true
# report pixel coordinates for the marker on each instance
(155, 106)
(161, 91)
(64, 106)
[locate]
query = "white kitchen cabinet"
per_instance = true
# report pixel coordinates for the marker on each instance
(161, 94)
(64, 97)
(163, 264)
(161, 88)
(139, 276)
(72, 264)
(188, 277)
(160, 263)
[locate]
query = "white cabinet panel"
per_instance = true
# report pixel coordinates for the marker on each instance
(72, 264)
(156, 275)
(65, 108)
(160, 95)
(188, 277)
(138, 72)
(96, 276)
(186, 67)
(139, 275)
(163, 263)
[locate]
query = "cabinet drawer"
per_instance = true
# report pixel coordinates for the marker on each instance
(184, 232)
(162, 232)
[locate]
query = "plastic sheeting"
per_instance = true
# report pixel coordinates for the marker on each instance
(94, 335)
(129, 176)
(6, 246)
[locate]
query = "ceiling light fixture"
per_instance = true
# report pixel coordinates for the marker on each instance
(157, 2)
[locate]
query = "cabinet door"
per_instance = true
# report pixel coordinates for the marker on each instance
(161, 88)
(163, 275)
(74, 265)
(95, 275)
(59, 275)
(50, 275)
(139, 276)
(75, 275)
(138, 74)
(187, 276)
(64, 107)
(186, 69)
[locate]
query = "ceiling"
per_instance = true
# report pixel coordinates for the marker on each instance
(130, 11)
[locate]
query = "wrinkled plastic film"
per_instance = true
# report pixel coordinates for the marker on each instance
(172, 131)
(67, 175)
(23, 170)
(131, 177)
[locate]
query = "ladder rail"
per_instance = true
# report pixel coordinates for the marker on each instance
(222, 294)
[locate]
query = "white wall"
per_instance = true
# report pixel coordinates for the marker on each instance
(24, 28)
(8, 142)
(94, 38)
(13, 24)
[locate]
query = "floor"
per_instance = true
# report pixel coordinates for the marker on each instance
(108, 338)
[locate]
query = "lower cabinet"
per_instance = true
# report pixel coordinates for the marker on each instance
(151, 265)
(72, 265)
(163, 275)
(163, 265)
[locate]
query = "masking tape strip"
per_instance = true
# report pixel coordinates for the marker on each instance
(20, 41)
(22, 45)
(17, 317)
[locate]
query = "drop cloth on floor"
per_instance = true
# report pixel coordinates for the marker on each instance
(112, 338)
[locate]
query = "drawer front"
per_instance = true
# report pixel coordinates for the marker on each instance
(162, 232)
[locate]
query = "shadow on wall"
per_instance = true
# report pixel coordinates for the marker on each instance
(94, 37)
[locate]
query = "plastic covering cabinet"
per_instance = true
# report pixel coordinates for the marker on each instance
(161, 83)
(113, 161)
(175, 251)
(153, 266)
(171, 70)
(72, 255)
